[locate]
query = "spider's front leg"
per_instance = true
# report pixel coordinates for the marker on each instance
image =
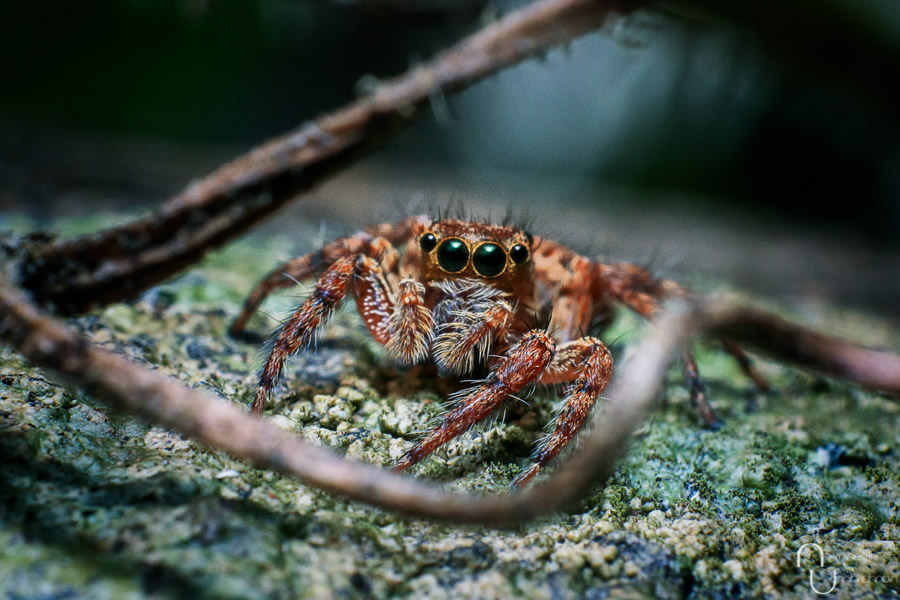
(523, 364)
(588, 364)
(378, 240)
(304, 324)
(304, 267)
(404, 325)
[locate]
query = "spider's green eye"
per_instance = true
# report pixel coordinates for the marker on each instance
(427, 242)
(489, 260)
(453, 255)
(518, 254)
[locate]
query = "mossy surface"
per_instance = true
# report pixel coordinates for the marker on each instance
(95, 504)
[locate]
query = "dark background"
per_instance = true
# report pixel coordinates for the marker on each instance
(758, 145)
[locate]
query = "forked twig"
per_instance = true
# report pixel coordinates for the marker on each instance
(139, 391)
(71, 276)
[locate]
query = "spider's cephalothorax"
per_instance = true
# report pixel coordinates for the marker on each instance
(463, 294)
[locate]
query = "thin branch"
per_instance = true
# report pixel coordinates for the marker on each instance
(71, 276)
(775, 337)
(136, 390)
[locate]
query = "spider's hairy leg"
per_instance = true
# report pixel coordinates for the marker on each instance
(696, 387)
(366, 278)
(303, 325)
(573, 304)
(375, 241)
(588, 364)
(468, 337)
(411, 325)
(746, 364)
(636, 288)
(522, 365)
(282, 276)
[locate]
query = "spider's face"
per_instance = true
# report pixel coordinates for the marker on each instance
(497, 254)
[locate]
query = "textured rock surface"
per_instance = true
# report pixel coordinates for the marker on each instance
(95, 504)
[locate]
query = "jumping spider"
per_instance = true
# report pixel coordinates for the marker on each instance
(463, 294)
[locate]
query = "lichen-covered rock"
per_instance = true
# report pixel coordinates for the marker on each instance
(95, 504)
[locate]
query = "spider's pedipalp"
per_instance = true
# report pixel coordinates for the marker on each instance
(523, 364)
(411, 325)
(470, 334)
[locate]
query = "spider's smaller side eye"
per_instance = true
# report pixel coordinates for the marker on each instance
(427, 242)
(518, 254)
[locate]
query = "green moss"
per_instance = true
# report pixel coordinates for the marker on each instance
(791, 509)
(617, 500)
(881, 474)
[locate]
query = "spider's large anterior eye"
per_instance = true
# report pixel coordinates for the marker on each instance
(453, 255)
(518, 254)
(427, 242)
(489, 260)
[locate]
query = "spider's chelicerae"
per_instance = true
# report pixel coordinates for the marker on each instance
(463, 294)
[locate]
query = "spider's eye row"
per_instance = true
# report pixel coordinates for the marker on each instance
(518, 254)
(489, 260)
(427, 242)
(453, 255)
